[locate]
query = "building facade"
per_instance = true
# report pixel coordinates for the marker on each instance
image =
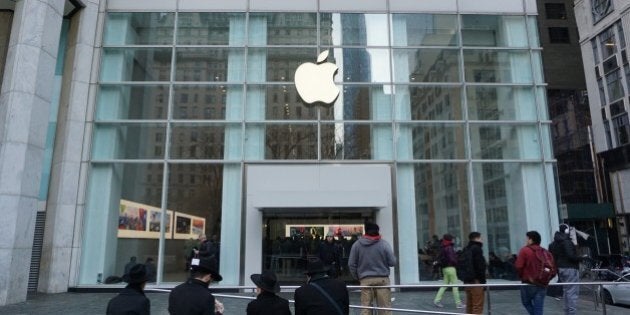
(604, 26)
(181, 118)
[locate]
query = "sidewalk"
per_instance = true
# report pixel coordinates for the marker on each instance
(502, 302)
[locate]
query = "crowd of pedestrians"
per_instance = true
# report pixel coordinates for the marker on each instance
(369, 262)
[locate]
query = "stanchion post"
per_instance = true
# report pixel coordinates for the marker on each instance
(488, 298)
(601, 291)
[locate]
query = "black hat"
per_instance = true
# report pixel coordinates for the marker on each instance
(208, 265)
(563, 228)
(371, 228)
(266, 281)
(137, 274)
(315, 266)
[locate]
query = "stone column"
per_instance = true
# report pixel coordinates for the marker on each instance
(64, 209)
(24, 103)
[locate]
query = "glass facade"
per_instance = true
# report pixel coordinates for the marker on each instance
(186, 100)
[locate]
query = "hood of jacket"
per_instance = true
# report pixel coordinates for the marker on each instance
(368, 241)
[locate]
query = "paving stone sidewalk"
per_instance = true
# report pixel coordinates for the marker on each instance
(501, 302)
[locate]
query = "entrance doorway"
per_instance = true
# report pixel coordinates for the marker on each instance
(293, 236)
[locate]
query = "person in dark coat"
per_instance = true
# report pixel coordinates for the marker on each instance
(131, 300)
(330, 254)
(309, 300)
(267, 302)
(193, 297)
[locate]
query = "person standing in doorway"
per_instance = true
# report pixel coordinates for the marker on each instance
(568, 263)
(369, 262)
(330, 254)
(447, 260)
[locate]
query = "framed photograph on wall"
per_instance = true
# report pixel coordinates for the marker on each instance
(188, 226)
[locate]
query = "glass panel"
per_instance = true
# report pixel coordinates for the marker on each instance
(545, 130)
(441, 201)
(494, 30)
(136, 64)
(348, 141)
(283, 103)
(285, 141)
(205, 28)
(277, 64)
(128, 141)
(505, 141)
(532, 30)
(353, 29)
(608, 42)
(123, 218)
(541, 99)
(283, 28)
(426, 65)
(615, 90)
(497, 66)
(206, 141)
(428, 103)
(500, 193)
(433, 141)
(361, 65)
(424, 30)
(132, 102)
(139, 28)
(195, 194)
(210, 64)
(595, 51)
(501, 103)
(207, 101)
(360, 102)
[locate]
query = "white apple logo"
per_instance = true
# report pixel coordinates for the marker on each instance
(314, 82)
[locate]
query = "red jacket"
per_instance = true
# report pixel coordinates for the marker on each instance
(525, 262)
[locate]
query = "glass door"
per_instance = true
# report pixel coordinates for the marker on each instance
(292, 237)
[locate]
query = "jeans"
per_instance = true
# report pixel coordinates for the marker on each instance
(570, 292)
(533, 298)
(450, 277)
(383, 295)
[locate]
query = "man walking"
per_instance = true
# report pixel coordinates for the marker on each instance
(471, 268)
(369, 261)
(568, 263)
(447, 259)
(321, 294)
(527, 265)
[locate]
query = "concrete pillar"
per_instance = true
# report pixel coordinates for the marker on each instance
(64, 208)
(24, 104)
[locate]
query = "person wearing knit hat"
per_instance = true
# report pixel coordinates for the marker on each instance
(369, 262)
(447, 260)
(131, 300)
(330, 252)
(267, 302)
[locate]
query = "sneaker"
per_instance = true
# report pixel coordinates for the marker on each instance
(461, 305)
(438, 304)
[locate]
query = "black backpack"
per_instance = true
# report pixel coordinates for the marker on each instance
(465, 267)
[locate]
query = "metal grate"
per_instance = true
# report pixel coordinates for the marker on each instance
(38, 239)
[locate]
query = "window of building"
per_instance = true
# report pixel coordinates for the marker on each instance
(595, 51)
(601, 8)
(559, 35)
(615, 90)
(622, 129)
(608, 136)
(555, 11)
(622, 38)
(608, 42)
(602, 94)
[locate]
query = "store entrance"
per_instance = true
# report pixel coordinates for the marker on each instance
(291, 237)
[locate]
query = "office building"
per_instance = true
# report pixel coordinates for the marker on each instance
(170, 119)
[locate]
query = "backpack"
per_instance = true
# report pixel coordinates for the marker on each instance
(545, 267)
(465, 266)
